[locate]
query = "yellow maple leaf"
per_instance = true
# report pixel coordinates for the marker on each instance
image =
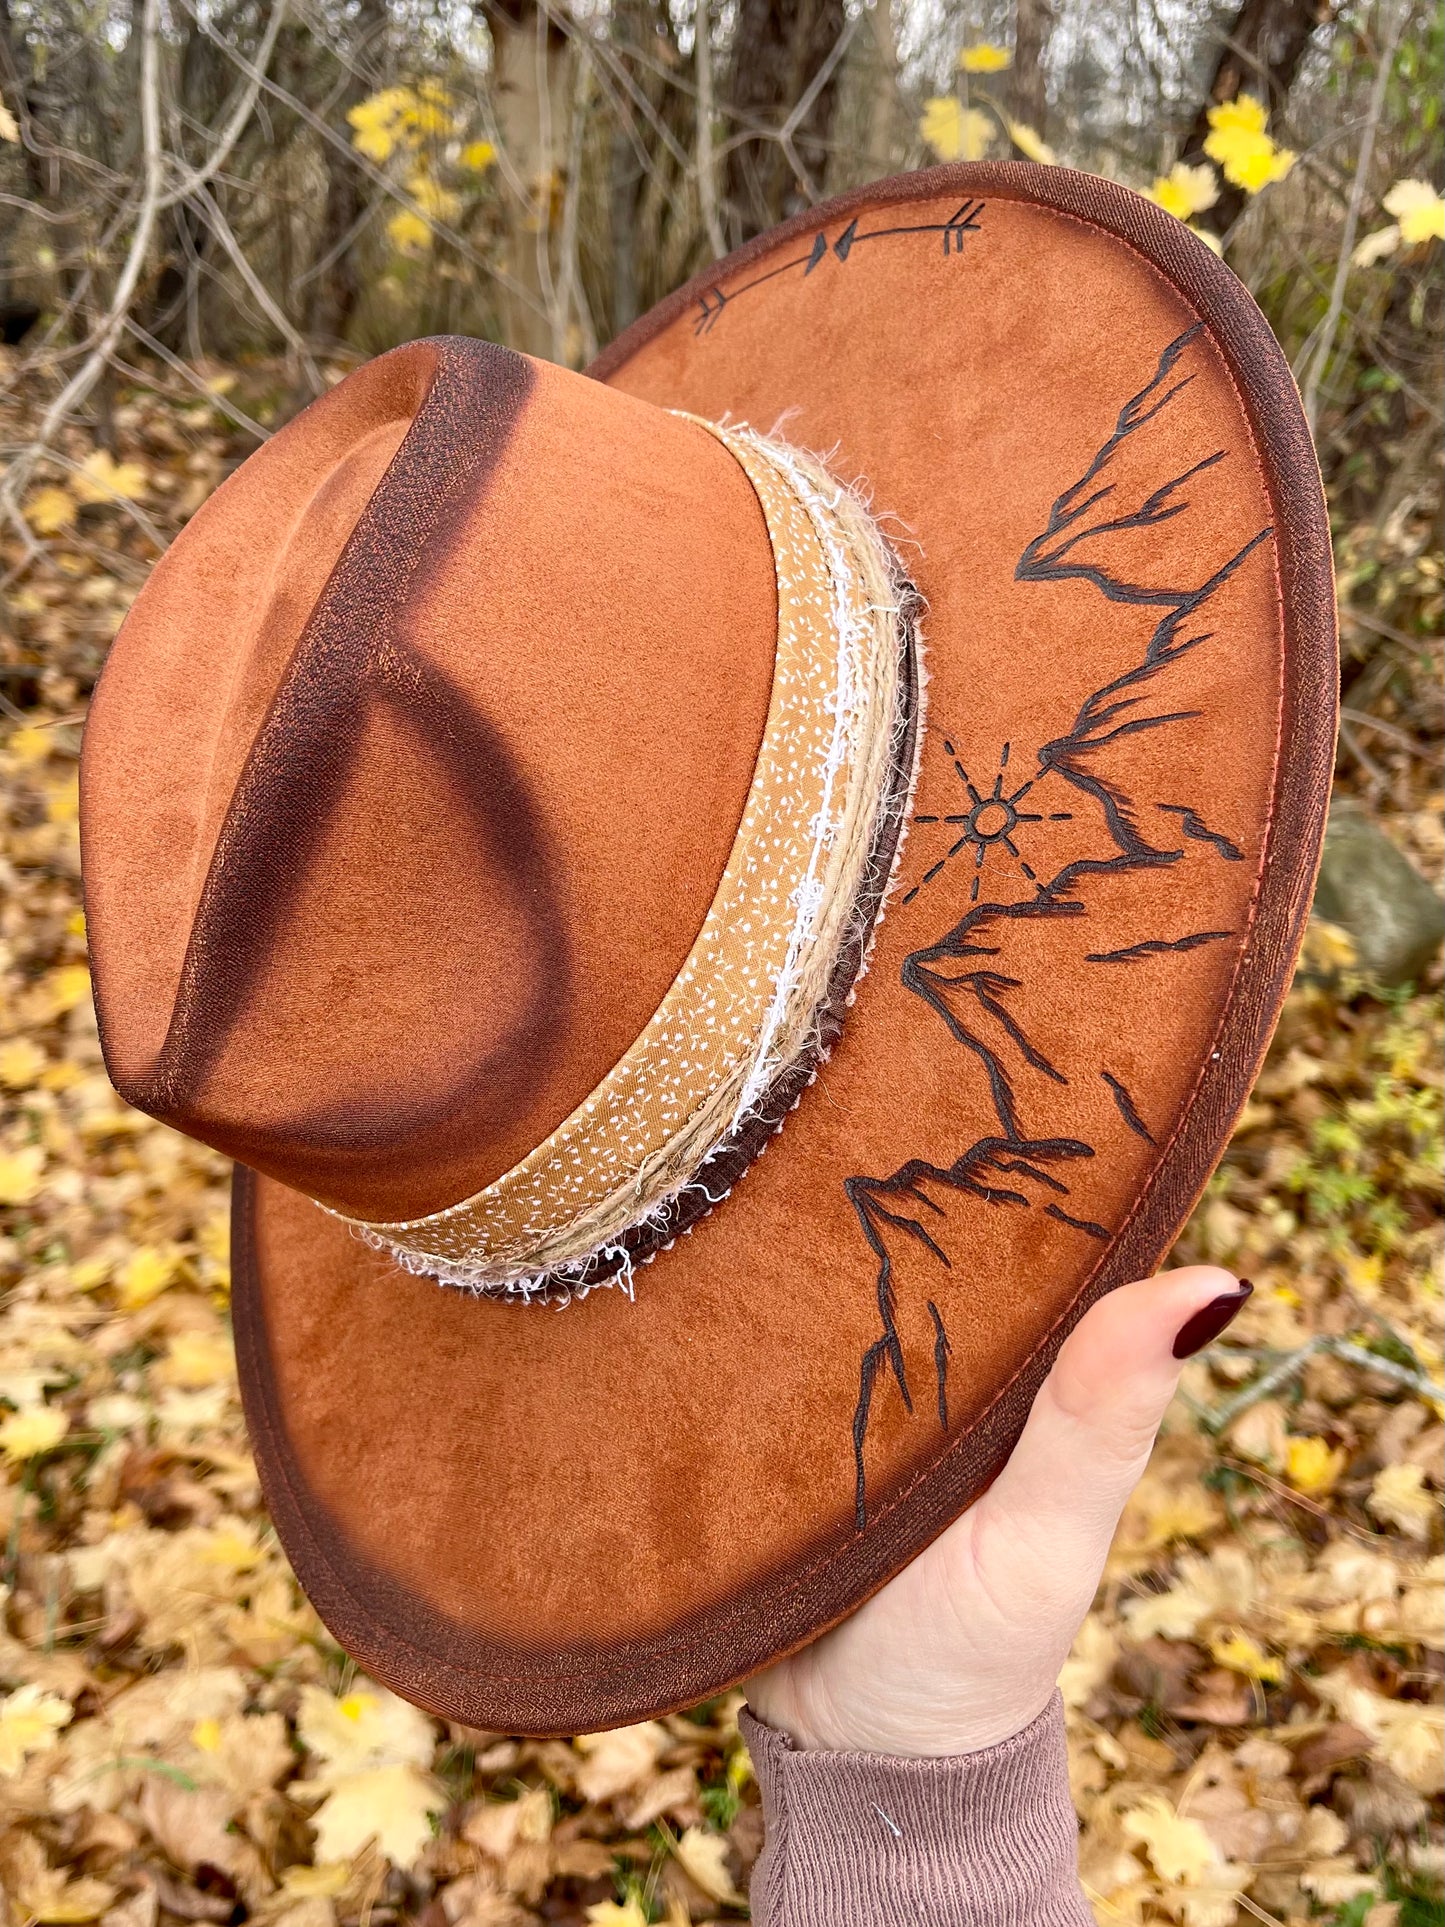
(50, 510)
(66, 987)
(1089, 1664)
(1030, 143)
(30, 744)
(20, 1174)
(1258, 167)
(101, 478)
(364, 1728)
(236, 1547)
(1238, 141)
(1313, 1466)
(392, 1805)
(985, 57)
(953, 131)
(430, 111)
(145, 1275)
(612, 1913)
(316, 1883)
(58, 1902)
(432, 198)
(21, 1062)
(1376, 246)
(30, 1722)
(90, 1273)
(1179, 1849)
(408, 232)
(1420, 211)
(1241, 1655)
(617, 1761)
(62, 800)
(477, 156)
(25, 1435)
(378, 122)
(1398, 1496)
(206, 1735)
(1243, 115)
(703, 1857)
(196, 1359)
(1185, 190)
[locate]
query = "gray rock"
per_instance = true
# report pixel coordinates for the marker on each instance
(1372, 890)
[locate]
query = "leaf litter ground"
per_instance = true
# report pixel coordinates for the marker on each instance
(1255, 1703)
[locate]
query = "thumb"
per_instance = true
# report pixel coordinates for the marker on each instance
(1093, 1423)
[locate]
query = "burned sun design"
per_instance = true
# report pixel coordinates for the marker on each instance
(1039, 847)
(988, 823)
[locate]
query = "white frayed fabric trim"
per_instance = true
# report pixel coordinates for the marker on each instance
(824, 500)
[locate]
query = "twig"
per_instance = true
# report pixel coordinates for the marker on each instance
(294, 104)
(194, 178)
(1219, 1419)
(1367, 763)
(219, 402)
(1330, 324)
(570, 293)
(1288, 1367)
(1420, 1383)
(706, 178)
(272, 310)
(109, 332)
(1362, 721)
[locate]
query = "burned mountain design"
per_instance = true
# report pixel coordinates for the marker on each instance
(1083, 823)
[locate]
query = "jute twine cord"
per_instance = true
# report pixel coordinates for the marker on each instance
(841, 586)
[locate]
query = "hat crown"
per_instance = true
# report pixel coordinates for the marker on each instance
(414, 769)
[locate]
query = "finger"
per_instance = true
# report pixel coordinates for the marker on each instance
(1094, 1421)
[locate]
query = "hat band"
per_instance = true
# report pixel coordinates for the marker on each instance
(832, 777)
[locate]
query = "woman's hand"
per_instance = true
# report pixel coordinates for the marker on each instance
(964, 1647)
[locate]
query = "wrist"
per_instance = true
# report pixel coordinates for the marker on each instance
(904, 1724)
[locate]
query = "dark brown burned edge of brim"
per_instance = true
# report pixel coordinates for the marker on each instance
(448, 1667)
(710, 1184)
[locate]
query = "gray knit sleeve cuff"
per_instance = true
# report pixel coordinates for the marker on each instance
(984, 1839)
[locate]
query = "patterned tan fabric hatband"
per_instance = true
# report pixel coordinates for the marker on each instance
(747, 1002)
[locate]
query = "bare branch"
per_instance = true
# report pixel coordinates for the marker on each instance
(109, 332)
(195, 178)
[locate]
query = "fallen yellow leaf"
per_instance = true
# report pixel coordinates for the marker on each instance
(1241, 1655)
(30, 1722)
(392, 1805)
(25, 1435)
(1420, 211)
(21, 1062)
(1312, 1465)
(145, 1275)
(101, 478)
(1398, 1496)
(50, 510)
(20, 1174)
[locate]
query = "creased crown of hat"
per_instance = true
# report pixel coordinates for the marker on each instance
(663, 1133)
(493, 818)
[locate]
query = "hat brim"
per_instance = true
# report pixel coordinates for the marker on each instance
(1089, 450)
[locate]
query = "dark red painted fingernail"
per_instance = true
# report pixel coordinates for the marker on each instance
(1210, 1320)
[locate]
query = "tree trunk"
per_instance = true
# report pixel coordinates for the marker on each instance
(884, 117)
(779, 47)
(1260, 54)
(1033, 23)
(532, 79)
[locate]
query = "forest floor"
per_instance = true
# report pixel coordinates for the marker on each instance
(1255, 1703)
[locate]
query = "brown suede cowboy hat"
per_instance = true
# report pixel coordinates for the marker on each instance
(881, 716)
